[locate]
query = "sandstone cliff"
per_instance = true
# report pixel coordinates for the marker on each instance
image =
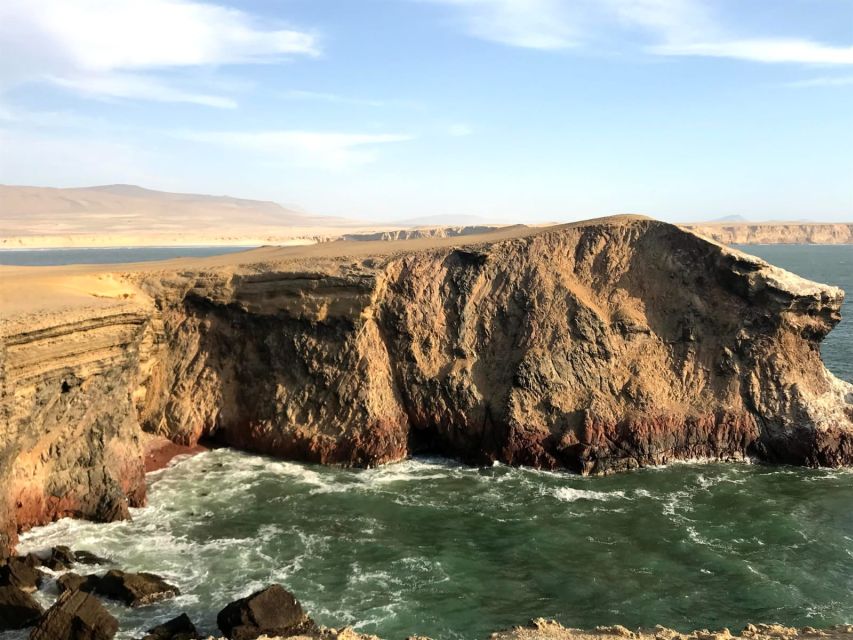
(776, 232)
(595, 347)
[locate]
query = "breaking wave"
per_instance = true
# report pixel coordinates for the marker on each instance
(431, 547)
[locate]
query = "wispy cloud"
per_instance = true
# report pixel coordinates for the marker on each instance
(675, 28)
(311, 149)
(557, 24)
(823, 81)
(139, 87)
(532, 24)
(117, 47)
(764, 50)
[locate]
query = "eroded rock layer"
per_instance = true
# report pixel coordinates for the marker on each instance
(595, 347)
(776, 232)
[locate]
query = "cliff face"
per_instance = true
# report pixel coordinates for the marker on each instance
(596, 347)
(69, 439)
(776, 233)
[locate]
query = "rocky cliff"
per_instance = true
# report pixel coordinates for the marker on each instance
(776, 233)
(595, 347)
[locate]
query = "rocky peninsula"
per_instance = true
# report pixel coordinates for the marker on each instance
(594, 347)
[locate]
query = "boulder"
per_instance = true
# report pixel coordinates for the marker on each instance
(18, 609)
(273, 611)
(71, 581)
(20, 572)
(134, 589)
(31, 560)
(61, 559)
(180, 628)
(76, 616)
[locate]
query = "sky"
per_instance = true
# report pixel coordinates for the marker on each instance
(511, 110)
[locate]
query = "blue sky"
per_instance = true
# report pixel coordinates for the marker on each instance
(526, 110)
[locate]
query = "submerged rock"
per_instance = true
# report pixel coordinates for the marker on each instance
(18, 609)
(76, 615)
(180, 628)
(61, 559)
(133, 589)
(87, 557)
(271, 611)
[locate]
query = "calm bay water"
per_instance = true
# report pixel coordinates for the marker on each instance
(431, 547)
(107, 255)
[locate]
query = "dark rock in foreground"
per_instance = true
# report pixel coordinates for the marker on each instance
(18, 609)
(133, 589)
(61, 559)
(180, 628)
(271, 611)
(71, 581)
(20, 572)
(76, 616)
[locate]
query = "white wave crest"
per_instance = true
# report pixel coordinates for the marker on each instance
(569, 494)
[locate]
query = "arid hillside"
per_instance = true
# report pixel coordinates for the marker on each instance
(124, 215)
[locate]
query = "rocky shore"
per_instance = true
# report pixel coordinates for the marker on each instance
(272, 613)
(594, 347)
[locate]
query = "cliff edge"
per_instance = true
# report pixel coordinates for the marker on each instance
(595, 347)
(775, 232)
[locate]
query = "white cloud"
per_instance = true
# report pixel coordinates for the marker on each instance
(679, 27)
(559, 24)
(103, 46)
(765, 50)
(532, 24)
(312, 149)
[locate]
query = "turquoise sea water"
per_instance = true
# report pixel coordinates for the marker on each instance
(431, 547)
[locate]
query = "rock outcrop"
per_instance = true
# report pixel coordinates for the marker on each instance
(133, 589)
(595, 347)
(18, 609)
(76, 616)
(776, 232)
(270, 611)
(180, 628)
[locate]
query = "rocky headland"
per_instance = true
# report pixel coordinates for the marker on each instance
(593, 347)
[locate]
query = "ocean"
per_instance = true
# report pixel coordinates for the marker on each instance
(431, 547)
(106, 255)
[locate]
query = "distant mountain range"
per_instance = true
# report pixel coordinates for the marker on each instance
(123, 214)
(129, 215)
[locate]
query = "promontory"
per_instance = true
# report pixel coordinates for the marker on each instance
(593, 347)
